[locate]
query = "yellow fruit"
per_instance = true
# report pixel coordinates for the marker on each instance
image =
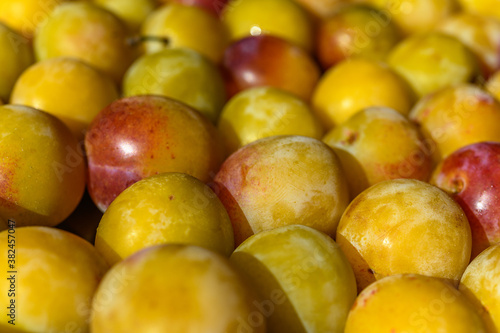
(132, 12)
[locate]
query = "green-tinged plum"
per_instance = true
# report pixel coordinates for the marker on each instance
(161, 209)
(355, 30)
(282, 180)
(356, 84)
(177, 289)
(67, 88)
(302, 279)
(132, 12)
(481, 284)
(378, 144)
(405, 226)
(137, 137)
(456, 117)
(52, 283)
(281, 18)
(15, 56)
(87, 32)
(413, 303)
(186, 27)
(480, 33)
(42, 168)
(260, 112)
(433, 61)
(270, 61)
(181, 74)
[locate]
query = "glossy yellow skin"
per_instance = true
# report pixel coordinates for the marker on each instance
(174, 288)
(87, 32)
(25, 16)
(15, 56)
(413, 304)
(433, 61)
(166, 208)
(480, 33)
(186, 27)
(302, 278)
(261, 112)
(282, 180)
(66, 88)
(417, 16)
(405, 226)
(282, 18)
(181, 74)
(493, 85)
(57, 275)
(482, 7)
(456, 117)
(481, 284)
(378, 144)
(132, 12)
(42, 167)
(355, 84)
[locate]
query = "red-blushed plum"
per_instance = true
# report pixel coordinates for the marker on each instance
(456, 117)
(181, 74)
(404, 226)
(15, 57)
(42, 168)
(413, 303)
(140, 136)
(378, 144)
(259, 112)
(85, 31)
(480, 33)
(212, 6)
(355, 30)
(186, 27)
(132, 12)
(481, 284)
(433, 61)
(303, 280)
(356, 84)
(166, 208)
(281, 18)
(269, 61)
(470, 175)
(177, 289)
(56, 276)
(282, 180)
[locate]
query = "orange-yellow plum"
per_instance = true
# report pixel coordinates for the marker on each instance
(165, 208)
(405, 226)
(282, 180)
(177, 289)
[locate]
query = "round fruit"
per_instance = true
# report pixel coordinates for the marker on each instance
(87, 32)
(186, 27)
(132, 12)
(15, 56)
(302, 278)
(255, 17)
(67, 88)
(165, 208)
(282, 180)
(356, 84)
(404, 226)
(433, 61)
(181, 74)
(412, 304)
(56, 275)
(137, 137)
(378, 144)
(493, 85)
(481, 7)
(260, 112)
(42, 167)
(176, 289)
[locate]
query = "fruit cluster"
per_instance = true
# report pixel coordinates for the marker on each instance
(250, 166)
